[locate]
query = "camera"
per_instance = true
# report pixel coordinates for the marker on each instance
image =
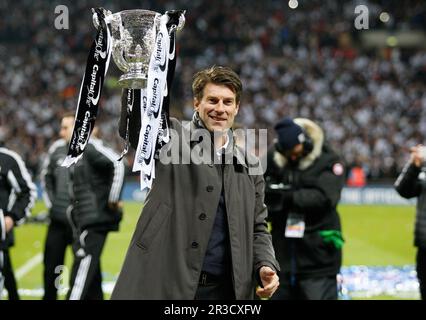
(279, 186)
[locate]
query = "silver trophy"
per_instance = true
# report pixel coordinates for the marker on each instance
(133, 33)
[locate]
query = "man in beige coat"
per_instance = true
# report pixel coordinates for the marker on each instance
(202, 232)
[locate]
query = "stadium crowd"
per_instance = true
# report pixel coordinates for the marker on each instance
(305, 62)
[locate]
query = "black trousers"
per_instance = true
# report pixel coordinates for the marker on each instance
(86, 276)
(315, 288)
(222, 289)
(9, 277)
(58, 238)
(421, 271)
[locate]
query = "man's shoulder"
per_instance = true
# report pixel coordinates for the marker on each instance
(329, 155)
(58, 145)
(98, 146)
(329, 160)
(95, 143)
(247, 155)
(256, 166)
(174, 121)
(181, 127)
(9, 156)
(178, 124)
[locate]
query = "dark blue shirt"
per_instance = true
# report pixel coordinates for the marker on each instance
(217, 260)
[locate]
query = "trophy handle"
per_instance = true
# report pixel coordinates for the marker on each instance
(181, 23)
(115, 22)
(117, 52)
(177, 18)
(119, 46)
(95, 19)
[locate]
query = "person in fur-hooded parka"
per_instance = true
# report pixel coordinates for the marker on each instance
(304, 180)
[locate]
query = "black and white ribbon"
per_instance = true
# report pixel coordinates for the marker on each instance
(153, 102)
(163, 134)
(154, 131)
(90, 91)
(135, 98)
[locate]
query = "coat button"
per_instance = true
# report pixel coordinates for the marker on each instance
(194, 245)
(209, 188)
(202, 216)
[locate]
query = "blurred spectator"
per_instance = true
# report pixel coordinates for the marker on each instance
(357, 177)
(96, 182)
(17, 196)
(55, 181)
(410, 184)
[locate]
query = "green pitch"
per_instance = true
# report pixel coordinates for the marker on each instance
(375, 236)
(378, 235)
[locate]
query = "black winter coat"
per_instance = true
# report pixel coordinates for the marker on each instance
(55, 182)
(314, 188)
(97, 181)
(412, 183)
(17, 192)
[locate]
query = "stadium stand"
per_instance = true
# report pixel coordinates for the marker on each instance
(306, 62)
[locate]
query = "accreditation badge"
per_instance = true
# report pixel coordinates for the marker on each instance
(295, 226)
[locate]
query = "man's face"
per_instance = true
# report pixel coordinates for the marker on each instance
(67, 125)
(217, 108)
(294, 155)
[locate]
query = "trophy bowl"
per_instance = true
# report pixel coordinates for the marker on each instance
(133, 39)
(133, 33)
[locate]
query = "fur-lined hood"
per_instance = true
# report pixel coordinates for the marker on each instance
(317, 136)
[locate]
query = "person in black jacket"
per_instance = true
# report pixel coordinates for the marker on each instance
(409, 184)
(55, 184)
(17, 196)
(97, 182)
(304, 179)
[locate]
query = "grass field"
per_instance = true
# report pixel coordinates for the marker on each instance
(375, 236)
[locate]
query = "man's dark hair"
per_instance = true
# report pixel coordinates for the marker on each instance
(217, 75)
(68, 114)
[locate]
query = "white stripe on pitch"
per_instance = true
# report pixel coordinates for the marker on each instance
(28, 266)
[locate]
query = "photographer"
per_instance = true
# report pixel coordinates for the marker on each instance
(412, 183)
(304, 179)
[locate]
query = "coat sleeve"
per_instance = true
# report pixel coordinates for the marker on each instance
(106, 159)
(264, 254)
(407, 184)
(323, 192)
(23, 190)
(47, 179)
(2, 229)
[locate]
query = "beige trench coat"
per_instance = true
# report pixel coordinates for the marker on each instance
(166, 253)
